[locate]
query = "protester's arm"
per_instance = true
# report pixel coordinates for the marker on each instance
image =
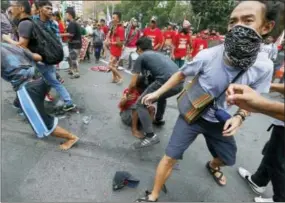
(248, 99)
(123, 100)
(275, 87)
(66, 35)
(172, 82)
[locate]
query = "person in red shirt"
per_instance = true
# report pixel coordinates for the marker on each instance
(167, 38)
(154, 34)
(199, 43)
(116, 38)
(105, 30)
(181, 44)
(132, 35)
(129, 115)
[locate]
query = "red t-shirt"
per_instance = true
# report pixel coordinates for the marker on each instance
(105, 29)
(117, 35)
(169, 34)
(61, 28)
(198, 45)
(180, 42)
(130, 102)
(154, 34)
(134, 39)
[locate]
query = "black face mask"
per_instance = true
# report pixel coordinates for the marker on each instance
(242, 45)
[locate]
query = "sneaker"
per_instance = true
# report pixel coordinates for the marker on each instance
(68, 107)
(75, 75)
(158, 122)
(147, 142)
(247, 176)
(260, 199)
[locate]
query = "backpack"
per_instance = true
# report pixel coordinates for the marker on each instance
(98, 38)
(48, 46)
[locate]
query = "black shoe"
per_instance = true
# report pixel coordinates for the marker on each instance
(158, 122)
(68, 107)
(16, 104)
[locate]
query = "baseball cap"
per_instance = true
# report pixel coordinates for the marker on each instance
(124, 178)
(153, 18)
(186, 24)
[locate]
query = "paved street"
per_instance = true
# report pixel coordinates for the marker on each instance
(35, 170)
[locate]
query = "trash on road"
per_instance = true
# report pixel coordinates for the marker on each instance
(86, 119)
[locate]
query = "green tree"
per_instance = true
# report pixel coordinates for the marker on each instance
(161, 9)
(212, 14)
(4, 4)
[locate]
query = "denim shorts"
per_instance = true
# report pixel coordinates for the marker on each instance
(184, 134)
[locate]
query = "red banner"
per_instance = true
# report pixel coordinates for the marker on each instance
(85, 42)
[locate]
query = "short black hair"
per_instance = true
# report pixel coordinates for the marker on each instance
(42, 3)
(119, 14)
(144, 43)
(102, 20)
(57, 14)
(70, 11)
(26, 5)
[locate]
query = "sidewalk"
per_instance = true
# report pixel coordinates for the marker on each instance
(35, 170)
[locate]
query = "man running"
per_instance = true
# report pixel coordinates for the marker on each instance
(20, 10)
(17, 67)
(238, 61)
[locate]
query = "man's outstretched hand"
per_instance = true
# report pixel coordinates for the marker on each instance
(150, 98)
(244, 97)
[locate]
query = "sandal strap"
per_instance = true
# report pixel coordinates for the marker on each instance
(213, 171)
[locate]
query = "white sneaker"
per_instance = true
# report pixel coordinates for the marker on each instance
(260, 199)
(247, 176)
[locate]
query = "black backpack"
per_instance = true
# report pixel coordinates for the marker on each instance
(48, 46)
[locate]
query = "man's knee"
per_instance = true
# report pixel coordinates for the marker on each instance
(168, 162)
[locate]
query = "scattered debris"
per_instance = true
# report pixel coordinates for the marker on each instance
(86, 119)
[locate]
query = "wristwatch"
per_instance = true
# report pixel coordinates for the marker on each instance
(242, 116)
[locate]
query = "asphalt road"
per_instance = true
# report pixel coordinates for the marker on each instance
(35, 170)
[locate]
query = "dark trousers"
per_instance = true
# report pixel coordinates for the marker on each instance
(142, 110)
(97, 51)
(272, 166)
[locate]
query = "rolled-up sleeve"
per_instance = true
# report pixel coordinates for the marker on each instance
(193, 67)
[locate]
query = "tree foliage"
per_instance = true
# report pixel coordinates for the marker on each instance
(202, 14)
(212, 14)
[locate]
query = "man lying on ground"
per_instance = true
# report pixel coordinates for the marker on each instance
(17, 67)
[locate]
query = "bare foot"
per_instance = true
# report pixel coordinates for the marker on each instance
(69, 143)
(120, 81)
(137, 134)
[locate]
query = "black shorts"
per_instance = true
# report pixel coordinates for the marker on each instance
(31, 97)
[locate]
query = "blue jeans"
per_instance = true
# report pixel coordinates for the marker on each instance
(49, 74)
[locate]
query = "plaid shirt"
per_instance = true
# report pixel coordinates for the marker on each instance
(49, 25)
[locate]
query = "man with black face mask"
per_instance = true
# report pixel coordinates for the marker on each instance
(237, 61)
